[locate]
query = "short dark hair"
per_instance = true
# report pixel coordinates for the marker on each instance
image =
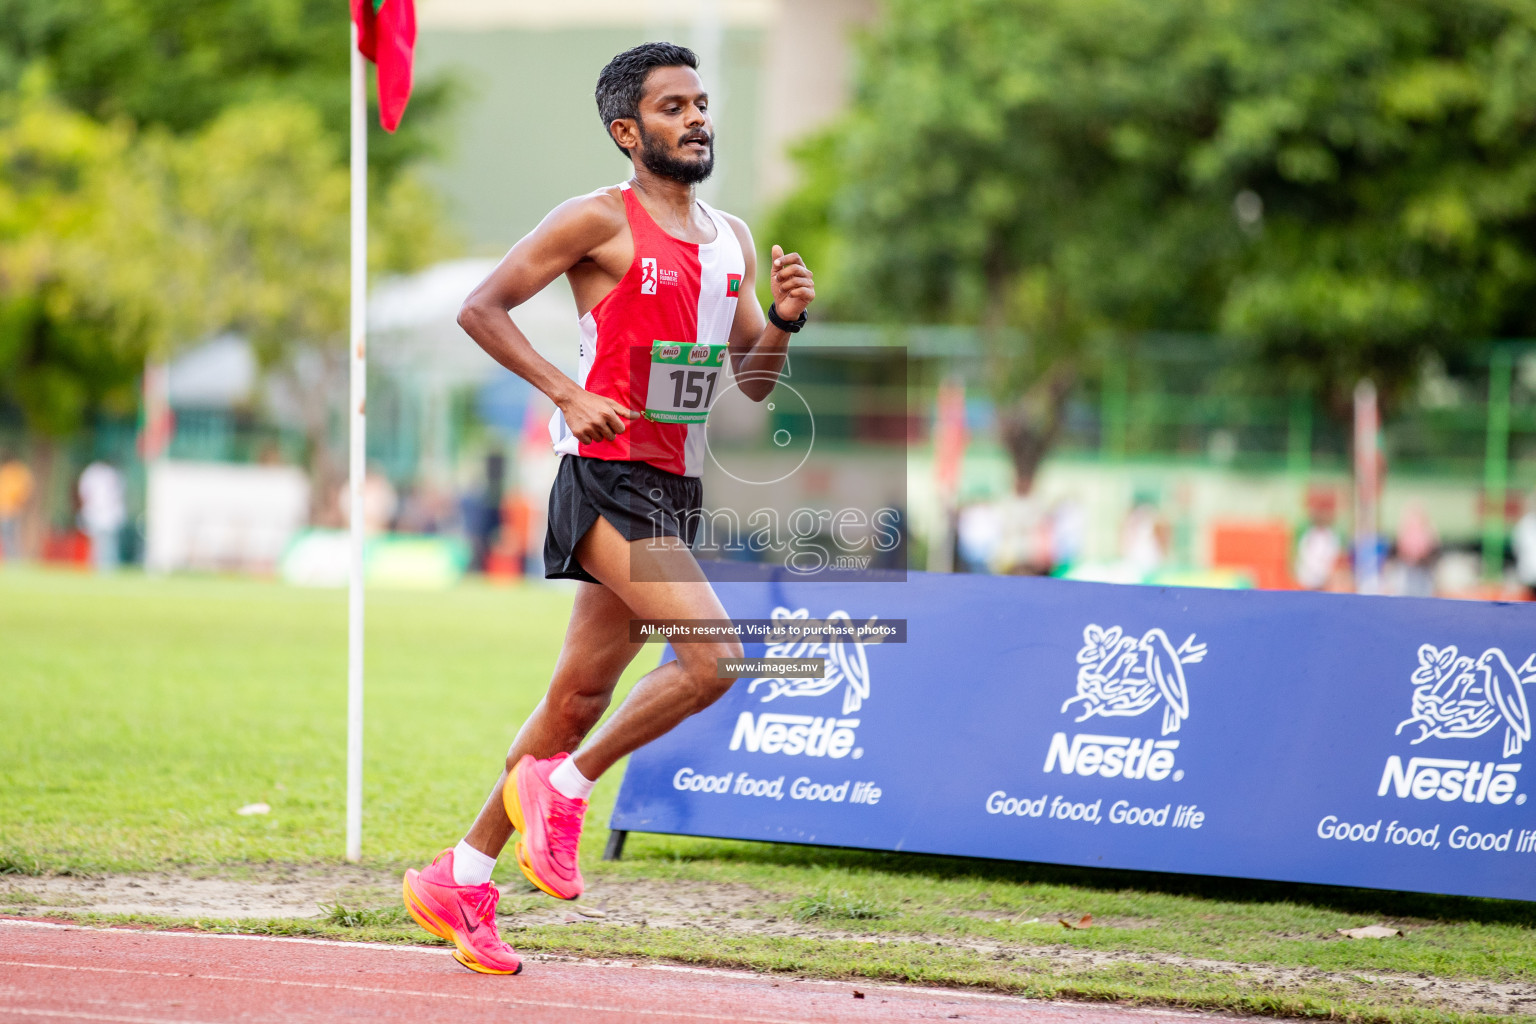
(621, 83)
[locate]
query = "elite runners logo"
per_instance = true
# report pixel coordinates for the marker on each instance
(1122, 676)
(808, 735)
(1456, 697)
(648, 276)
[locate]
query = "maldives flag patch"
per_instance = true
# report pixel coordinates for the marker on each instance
(732, 285)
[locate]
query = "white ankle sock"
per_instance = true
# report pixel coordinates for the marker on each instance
(470, 866)
(569, 781)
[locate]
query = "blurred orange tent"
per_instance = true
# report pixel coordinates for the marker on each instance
(1262, 549)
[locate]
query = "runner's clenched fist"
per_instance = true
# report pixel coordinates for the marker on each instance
(792, 282)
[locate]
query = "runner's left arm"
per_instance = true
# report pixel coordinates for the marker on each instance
(758, 349)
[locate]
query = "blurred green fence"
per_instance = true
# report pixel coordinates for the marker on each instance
(1178, 398)
(1171, 400)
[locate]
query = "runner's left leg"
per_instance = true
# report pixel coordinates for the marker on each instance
(655, 579)
(596, 651)
(444, 898)
(659, 579)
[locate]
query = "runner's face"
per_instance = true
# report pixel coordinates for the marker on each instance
(677, 138)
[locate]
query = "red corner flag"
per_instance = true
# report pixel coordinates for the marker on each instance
(386, 35)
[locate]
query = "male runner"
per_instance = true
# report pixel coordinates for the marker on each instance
(664, 289)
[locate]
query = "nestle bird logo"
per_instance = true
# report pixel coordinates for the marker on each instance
(1455, 697)
(846, 664)
(1123, 676)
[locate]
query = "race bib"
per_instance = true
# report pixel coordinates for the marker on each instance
(684, 381)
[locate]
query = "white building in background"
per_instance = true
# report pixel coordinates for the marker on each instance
(218, 374)
(220, 516)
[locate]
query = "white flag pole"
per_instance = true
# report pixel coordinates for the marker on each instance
(357, 460)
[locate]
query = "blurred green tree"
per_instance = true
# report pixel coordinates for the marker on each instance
(66, 347)
(205, 190)
(1334, 189)
(178, 64)
(117, 247)
(258, 206)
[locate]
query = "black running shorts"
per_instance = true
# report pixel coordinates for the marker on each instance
(639, 500)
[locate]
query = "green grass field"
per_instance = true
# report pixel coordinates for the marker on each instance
(139, 714)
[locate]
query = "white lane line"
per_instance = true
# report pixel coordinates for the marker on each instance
(377, 990)
(637, 965)
(77, 1015)
(58, 926)
(553, 958)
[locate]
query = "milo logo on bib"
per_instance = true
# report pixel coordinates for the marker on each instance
(684, 380)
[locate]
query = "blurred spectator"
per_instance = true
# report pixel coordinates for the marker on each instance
(895, 557)
(103, 511)
(507, 556)
(427, 509)
(1144, 537)
(1458, 572)
(1024, 537)
(480, 511)
(978, 530)
(1318, 550)
(480, 520)
(16, 485)
(379, 502)
(1417, 548)
(1069, 530)
(1317, 556)
(1525, 547)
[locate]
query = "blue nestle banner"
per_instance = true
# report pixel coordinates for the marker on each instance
(1304, 737)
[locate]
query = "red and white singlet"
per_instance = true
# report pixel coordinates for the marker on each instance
(674, 291)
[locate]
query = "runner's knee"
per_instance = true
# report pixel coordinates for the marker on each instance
(565, 719)
(730, 650)
(578, 712)
(709, 678)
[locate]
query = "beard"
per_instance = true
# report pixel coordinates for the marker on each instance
(664, 162)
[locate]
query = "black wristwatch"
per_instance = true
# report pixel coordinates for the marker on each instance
(787, 326)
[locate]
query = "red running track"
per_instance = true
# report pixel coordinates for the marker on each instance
(51, 973)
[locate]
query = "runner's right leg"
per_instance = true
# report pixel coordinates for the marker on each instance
(460, 905)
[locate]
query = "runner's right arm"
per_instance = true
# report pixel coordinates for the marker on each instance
(574, 231)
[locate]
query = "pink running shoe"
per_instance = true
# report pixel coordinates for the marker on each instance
(465, 915)
(550, 823)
